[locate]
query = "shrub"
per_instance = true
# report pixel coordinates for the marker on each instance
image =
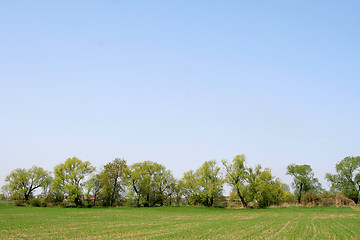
(289, 198)
(35, 202)
(310, 198)
(329, 202)
(340, 199)
(20, 203)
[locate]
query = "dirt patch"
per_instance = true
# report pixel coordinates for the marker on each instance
(333, 216)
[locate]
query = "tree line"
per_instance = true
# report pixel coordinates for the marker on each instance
(77, 183)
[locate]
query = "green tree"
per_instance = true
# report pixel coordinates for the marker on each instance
(347, 179)
(23, 182)
(174, 192)
(236, 176)
(211, 182)
(190, 188)
(304, 179)
(93, 188)
(205, 186)
(113, 181)
(263, 188)
(69, 179)
(166, 186)
(149, 183)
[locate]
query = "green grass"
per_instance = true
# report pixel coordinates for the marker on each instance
(179, 223)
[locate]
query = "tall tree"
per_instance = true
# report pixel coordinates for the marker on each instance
(165, 186)
(263, 188)
(113, 180)
(304, 179)
(23, 181)
(236, 176)
(93, 188)
(205, 185)
(211, 182)
(190, 188)
(69, 179)
(347, 179)
(149, 183)
(174, 192)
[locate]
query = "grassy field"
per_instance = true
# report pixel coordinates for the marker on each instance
(179, 223)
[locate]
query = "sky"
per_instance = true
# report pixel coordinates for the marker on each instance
(179, 83)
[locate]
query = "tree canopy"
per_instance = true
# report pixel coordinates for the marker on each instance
(69, 179)
(150, 183)
(112, 180)
(205, 185)
(304, 179)
(236, 176)
(253, 184)
(23, 182)
(347, 178)
(263, 188)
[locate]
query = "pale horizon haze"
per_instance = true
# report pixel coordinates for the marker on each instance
(180, 83)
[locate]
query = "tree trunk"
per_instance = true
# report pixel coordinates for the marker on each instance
(242, 198)
(301, 187)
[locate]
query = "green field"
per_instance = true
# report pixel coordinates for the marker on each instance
(179, 223)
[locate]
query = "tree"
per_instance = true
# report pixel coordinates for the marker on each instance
(166, 186)
(304, 179)
(190, 188)
(69, 179)
(253, 184)
(263, 188)
(150, 183)
(205, 186)
(174, 192)
(23, 181)
(347, 179)
(93, 188)
(236, 176)
(211, 182)
(113, 180)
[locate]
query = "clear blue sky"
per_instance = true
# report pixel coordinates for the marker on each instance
(179, 83)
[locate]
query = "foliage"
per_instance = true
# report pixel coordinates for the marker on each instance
(150, 183)
(2, 197)
(304, 179)
(210, 182)
(347, 179)
(22, 182)
(38, 202)
(236, 176)
(93, 189)
(253, 184)
(112, 180)
(313, 198)
(189, 187)
(263, 188)
(340, 200)
(205, 185)
(69, 179)
(174, 193)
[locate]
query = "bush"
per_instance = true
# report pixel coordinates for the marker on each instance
(325, 199)
(310, 198)
(340, 199)
(3, 197)
(35, 202)
(329, 202)
(20, 203)
(289, 198)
